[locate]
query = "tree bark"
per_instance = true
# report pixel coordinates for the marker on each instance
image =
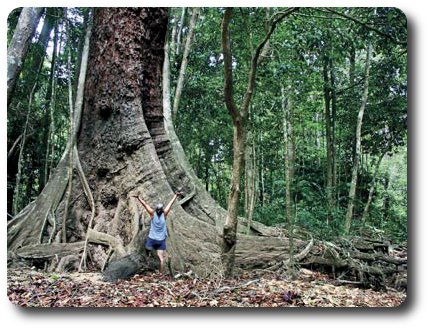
(40, 47)
(333, 96)
(250, 178)
(184, 63)
(48, 122)
(385, 200)
(17, 196)
(329, 133)
(357, 154)
(179, 33)
(372, 189)
(19, 45)
(230, 226)
(289, 170)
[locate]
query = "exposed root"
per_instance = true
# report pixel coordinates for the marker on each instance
(106, 239)
(188, 197)
(46, 251)
(87, 190)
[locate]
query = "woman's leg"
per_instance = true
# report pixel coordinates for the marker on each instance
(162, 256)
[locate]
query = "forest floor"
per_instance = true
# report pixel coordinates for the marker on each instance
(31, 288)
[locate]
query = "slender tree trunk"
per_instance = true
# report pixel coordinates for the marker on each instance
(73, 142)
(80, 50)
(31, 85)
(173, 38)
(187, 49)
(333, 97)
(239, 118)
(27, 228)
(17, 196)
(179, 33)
(250, 178)
(37, 52)
(28, 86)
(329, 142)
(266, 48)
(239, 133)
(351, 65)
(262, 179)
(385, 201)
(49, 111)
(207, 178)
(15, 145)
(289, 171)
(318, 135)
(357, 155)
(372, 189)
(230, 226)
(19, 45)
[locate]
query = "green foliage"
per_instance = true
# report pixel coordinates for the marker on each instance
(295, 61)
(12, 21)
(389, 212)
(47, 108)
(298, 50)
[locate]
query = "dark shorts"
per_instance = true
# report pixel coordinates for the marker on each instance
(156, 245)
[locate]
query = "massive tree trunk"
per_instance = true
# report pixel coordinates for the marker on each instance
(121, 141)
(125, 149)
(123, 137)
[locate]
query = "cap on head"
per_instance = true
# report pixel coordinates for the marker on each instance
(159, 208)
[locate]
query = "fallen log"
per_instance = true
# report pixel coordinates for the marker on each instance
(46, 251)
(344, 260)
